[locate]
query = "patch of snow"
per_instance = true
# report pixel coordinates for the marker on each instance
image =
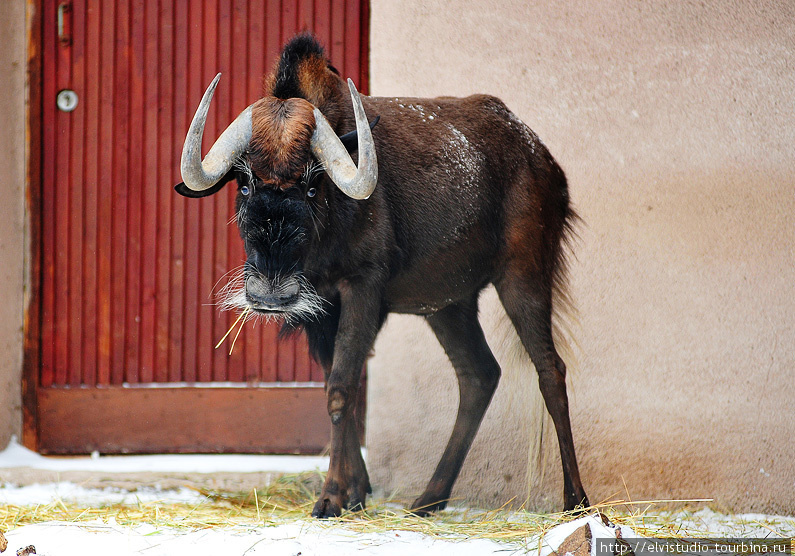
(43, 494)
(303, 537)
(420, 110)
(555, 537)
(464, 162)
(289, 539)
(16, 455)
(709, 521)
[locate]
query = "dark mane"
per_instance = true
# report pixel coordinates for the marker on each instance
(287, 83)
(303, 71)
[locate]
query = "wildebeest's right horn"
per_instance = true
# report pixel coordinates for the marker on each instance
(199, 174)
(329, 150)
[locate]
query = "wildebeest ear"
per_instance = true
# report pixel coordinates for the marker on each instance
(351, 139)
(183, 190)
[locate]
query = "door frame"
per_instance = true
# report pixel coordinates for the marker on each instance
(32, 333)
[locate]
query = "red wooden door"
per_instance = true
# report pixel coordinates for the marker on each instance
(125, 323)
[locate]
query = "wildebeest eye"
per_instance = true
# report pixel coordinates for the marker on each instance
(311, 192)
(245, 190)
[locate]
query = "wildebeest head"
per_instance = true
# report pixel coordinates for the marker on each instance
(280, 150)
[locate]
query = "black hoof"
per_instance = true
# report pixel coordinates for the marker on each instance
(326, 508)
(576, 504)
(422, 507)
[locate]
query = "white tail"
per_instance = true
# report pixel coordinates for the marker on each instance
(518, 371)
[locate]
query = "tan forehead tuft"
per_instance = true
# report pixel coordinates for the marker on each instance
(279, 147)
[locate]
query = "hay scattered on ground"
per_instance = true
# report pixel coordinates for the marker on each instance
(291, 497)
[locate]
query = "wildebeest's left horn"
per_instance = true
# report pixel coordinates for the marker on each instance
(329, 150)
(199, 174)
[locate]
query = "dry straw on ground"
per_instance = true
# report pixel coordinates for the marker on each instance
(291, 498)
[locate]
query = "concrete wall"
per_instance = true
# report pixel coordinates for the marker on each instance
(13, 57)
(674, 123)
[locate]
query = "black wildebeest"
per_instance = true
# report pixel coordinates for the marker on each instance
(450, 195)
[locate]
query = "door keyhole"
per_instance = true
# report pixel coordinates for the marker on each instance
(66, 100)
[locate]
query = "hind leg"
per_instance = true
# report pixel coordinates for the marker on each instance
(478, 373)
(529, 307)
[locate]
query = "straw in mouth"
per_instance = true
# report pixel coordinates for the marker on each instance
(242, 317)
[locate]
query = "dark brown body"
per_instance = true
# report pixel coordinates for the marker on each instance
(452, 208)
(466, 196)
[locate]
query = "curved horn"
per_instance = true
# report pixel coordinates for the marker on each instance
(329, 150)
(351, 139)
(199, 174)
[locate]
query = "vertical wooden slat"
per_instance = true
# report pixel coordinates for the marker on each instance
(286, 362)
(352, 41)
(255, 44)
(316, 374)
(208, 206)
(76, 191)
(62, 210)
(119, 209)
(289, 19)
(238, 29)
(105, 183)
(191, 240)
(165, 177)
(178, 218)
(221, 320)
(134, 87)
(322, 21)
(306, 15)
(151, 210)
(364, 46)
(49, 92)
(33, 327)
(90, 103)
(273, 36)
(302, 370)
(336, 48)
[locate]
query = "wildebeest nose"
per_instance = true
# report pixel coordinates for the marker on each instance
(262, 291)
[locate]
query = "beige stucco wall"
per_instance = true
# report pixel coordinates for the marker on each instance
(12, 210)
(675, 123)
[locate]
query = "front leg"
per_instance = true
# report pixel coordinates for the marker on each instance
(347, 483)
